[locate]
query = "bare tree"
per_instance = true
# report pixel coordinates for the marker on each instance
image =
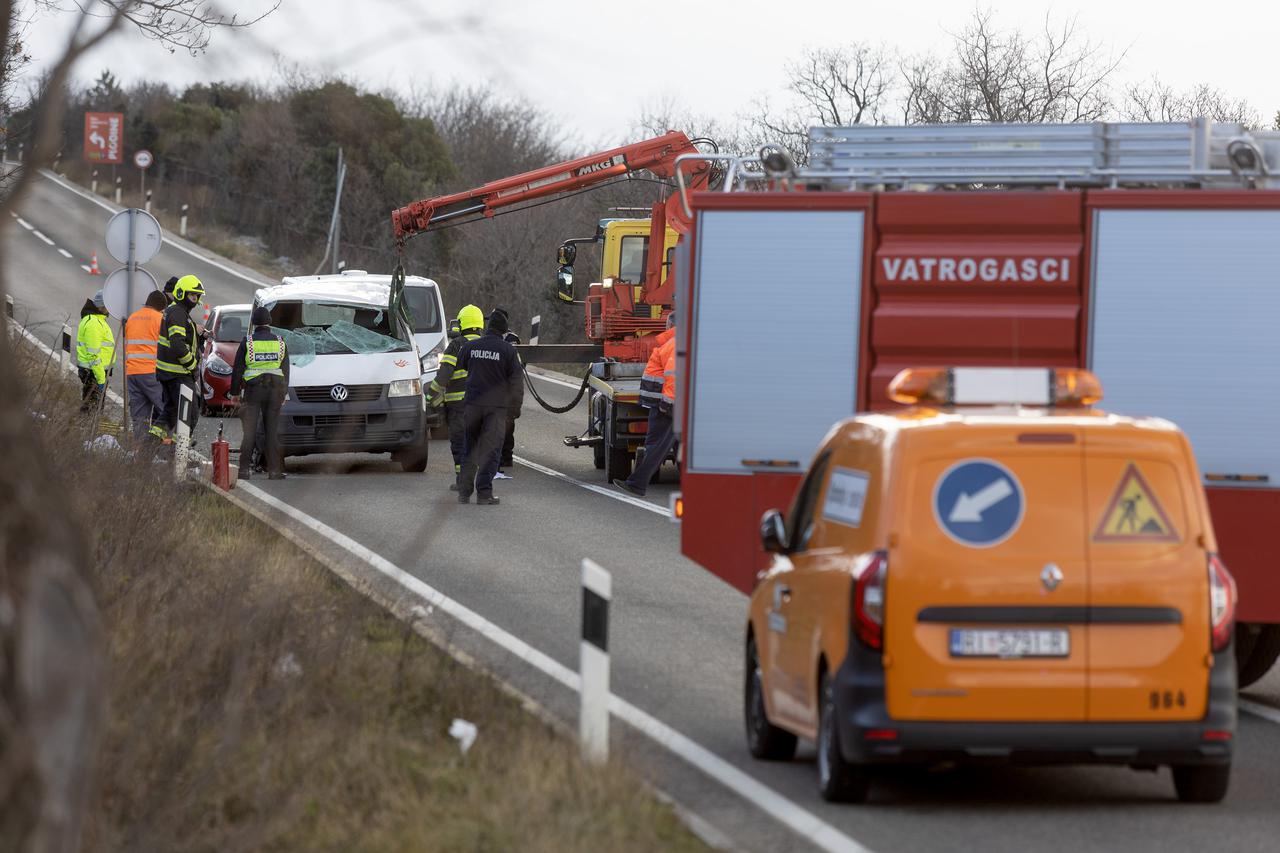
(1156, 100)
(1004, 75)
(50, 635)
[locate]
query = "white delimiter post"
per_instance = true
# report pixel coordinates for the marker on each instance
(182, 437)
(593, 724)
(64, 350)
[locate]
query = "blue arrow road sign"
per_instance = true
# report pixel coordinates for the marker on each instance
(978, 502)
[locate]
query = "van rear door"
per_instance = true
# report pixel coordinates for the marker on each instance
(988, 576)
(1148, 638)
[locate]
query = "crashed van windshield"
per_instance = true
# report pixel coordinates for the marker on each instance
(329, 328)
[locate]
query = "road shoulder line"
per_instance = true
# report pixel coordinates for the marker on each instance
(803, 822)
(1260, 710)
(606, 491)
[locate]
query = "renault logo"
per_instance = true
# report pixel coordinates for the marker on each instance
(1051, 576)
(338, 393)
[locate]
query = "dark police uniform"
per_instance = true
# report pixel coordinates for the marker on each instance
(262, 366)
(450, 387)
(494, 386)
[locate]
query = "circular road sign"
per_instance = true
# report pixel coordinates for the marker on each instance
(124, 294)
(978, 502)
(147, 236)
(142, 158)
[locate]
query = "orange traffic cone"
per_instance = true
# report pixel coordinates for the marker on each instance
(93, 265)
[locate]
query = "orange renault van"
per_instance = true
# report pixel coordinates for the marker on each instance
(997, 573)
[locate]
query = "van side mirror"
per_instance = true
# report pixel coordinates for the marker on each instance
(773, 533)
(564, 283)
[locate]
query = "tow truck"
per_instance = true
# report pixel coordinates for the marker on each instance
(1145, 253)
(625, 310)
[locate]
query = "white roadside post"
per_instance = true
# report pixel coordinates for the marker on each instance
(93, 184)
(147, 205)
(535, 325)
(593, 722)
(64, 351)
(8, 306)
(118, 189)
(182, 223)
(182, 438)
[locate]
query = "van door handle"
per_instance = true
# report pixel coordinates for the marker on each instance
(784, 592)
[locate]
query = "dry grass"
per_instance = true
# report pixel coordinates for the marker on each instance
(255, 703)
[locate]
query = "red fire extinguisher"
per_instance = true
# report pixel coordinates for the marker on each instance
(221, 462)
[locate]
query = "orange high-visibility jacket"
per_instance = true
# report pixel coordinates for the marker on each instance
(141, 333)
(651, 381)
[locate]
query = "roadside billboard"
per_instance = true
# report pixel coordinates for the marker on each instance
(104, 138)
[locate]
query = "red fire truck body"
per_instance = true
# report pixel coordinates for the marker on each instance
(798, 305)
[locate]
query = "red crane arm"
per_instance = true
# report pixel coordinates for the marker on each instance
(656, 155)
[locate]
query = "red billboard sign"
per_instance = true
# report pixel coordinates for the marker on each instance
(104, 137)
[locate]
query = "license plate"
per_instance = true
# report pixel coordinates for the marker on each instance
(330, 433)
(1010, 643)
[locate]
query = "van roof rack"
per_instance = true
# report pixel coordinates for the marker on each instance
(1198, 153)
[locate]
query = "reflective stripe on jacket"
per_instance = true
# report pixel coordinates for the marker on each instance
(176, 353)
(667, 406)
(263, 357)
(95, 346)
(450, 380)
(141, 341)
(651, 381)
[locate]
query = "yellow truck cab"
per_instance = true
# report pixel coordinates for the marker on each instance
(997, 573)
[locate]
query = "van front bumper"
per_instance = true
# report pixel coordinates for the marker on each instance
(868, 735)
(377, 426)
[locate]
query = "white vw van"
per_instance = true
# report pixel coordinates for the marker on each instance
(355, 371)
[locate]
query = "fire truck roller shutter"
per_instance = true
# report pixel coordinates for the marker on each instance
(775, 339)
(1183, 326)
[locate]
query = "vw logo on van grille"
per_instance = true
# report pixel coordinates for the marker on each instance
(338, 393)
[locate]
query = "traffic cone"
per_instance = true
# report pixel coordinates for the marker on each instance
(93, 265)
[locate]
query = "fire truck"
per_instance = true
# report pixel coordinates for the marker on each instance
(1146, 253)
(624, 310)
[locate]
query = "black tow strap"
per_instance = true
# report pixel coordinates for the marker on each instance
(557, 410)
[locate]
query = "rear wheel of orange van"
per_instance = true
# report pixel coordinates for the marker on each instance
(1204, 783)
(838, 780)
(764, 740)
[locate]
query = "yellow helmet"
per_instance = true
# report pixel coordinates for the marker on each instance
(186, 285)
(470, 317)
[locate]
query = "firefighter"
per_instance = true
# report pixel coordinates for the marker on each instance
(262, 368)
(507, 457)
(95, 351)
(449, 387)
(176, 360)
(141, 343)
(658, 392)
(494, 387)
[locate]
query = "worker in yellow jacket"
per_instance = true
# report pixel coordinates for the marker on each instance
(95, 351)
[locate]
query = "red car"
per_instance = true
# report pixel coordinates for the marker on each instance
(225, 329)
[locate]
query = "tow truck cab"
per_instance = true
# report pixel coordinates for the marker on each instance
(616, 422)
(355, 372)
(1024, 583)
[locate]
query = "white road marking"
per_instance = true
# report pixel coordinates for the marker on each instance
(88, 196)
(42, 237)
(25, 224)
(64, 253)
(1257, 709)
(803, 822)
(607, 491)
(86, 268)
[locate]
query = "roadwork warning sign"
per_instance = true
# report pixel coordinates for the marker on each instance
(1134, 513)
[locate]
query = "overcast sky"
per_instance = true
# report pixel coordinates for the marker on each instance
(593, 65)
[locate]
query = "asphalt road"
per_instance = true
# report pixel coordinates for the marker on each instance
(675, 633)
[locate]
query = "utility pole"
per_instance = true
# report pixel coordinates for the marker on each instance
(337, 212)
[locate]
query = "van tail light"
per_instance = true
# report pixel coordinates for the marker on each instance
(1222, 603)
(868, 599)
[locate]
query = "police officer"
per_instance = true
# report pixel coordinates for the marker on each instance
(493, 388)
(95, 351)
(507, 457)
(176, 359)
(262, 368)
(449, 387)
